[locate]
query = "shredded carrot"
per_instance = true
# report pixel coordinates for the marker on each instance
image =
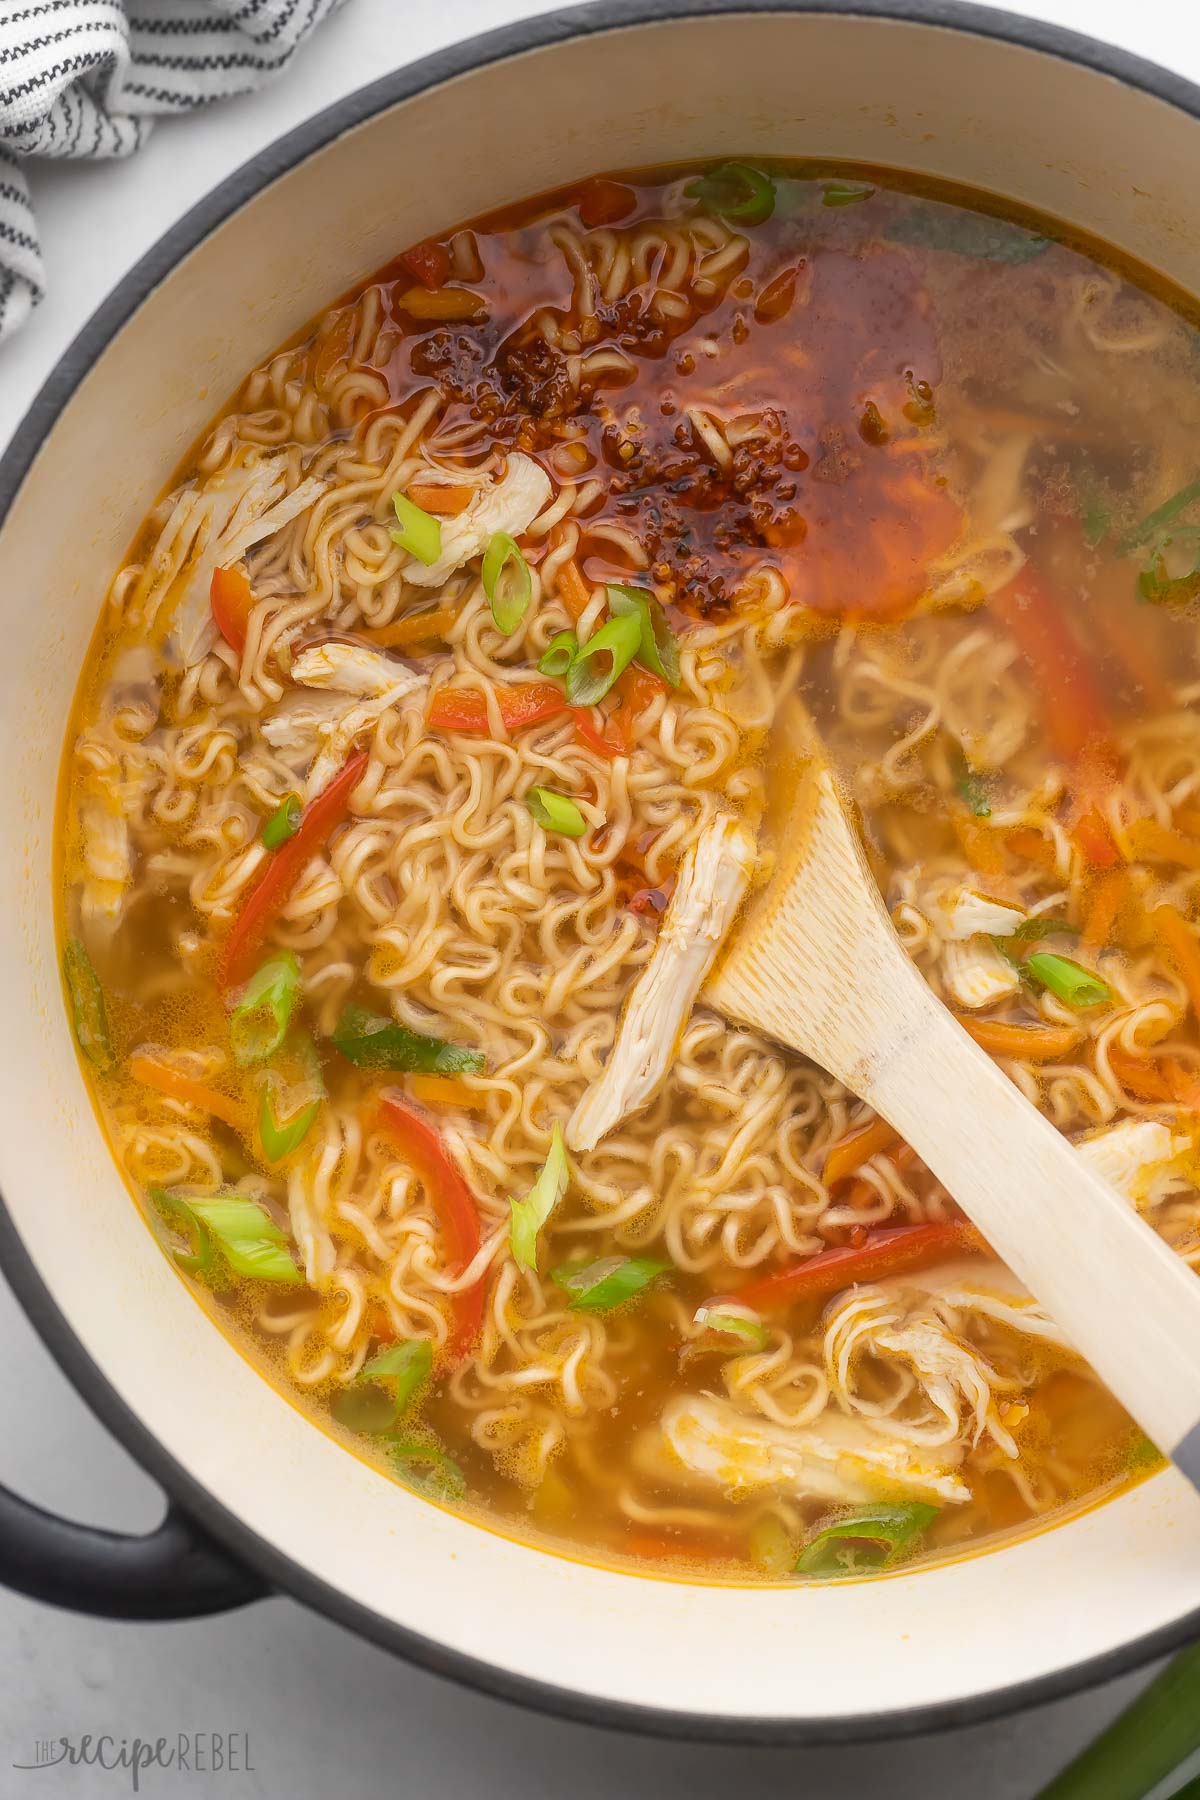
(1142, 1076)
(1074, 714)
(980, 845)
(1178, 940)
(413, 628)
(1035, 1043)
(1032, 847)
(1122, 634)
(172, 1082)
(382, 1329)
(1152, 842)
(447, 498)
(445, 1090)
(852, 1152)
(1109, 893)
(1094, 841)
(573, 591)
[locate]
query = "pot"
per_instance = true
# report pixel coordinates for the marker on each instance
(259, 1497)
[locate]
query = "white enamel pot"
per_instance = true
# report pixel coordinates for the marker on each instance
(261, 1498)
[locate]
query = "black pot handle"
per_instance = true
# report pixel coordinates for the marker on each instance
(173, 1572)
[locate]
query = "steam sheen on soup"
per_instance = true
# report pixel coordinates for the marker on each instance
(424, 760)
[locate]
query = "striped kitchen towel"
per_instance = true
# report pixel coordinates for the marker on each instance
(86, 78)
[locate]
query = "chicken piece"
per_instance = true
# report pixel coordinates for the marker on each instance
(209, 528)
(344, 670)
(976, 974)
(511, 505)
(712, 881)
(955, 1381)
(1138, 1156)
(107, 861)
(963, 913)
(846, 1460)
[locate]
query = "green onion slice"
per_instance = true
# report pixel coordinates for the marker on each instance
(556, 812)
(845, 193)
(384, 1388)
(1076, 985)
(281, 1137)
(88, 1012)
(599, 1286)
(506, 582)
(426, 1468)
(658, 648)
(605, 656)
(1159, 584)
(971, 787)
(735, 191)
(200, 1258)
(370, 1041)
(420, 533)
(559, 654)
(1040, 926)
(1149, 527)
(264, 1010)
(865, 1540)
(284, 822)
(530, 1214)
(243, 1233)
(731, 1324)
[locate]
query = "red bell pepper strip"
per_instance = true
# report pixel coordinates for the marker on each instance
(451, 1200)
(891, 1251)
(595, 738)
(1073, 709)
(230, 598)
(267, 899)
(429, 263)
(465, 709)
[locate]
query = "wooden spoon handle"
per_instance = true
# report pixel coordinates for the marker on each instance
(1126, 1301)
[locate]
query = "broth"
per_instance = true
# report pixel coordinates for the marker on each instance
(773, 430)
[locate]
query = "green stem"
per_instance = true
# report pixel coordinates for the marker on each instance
(1141, 1748)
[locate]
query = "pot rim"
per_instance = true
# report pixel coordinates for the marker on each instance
(251, 177)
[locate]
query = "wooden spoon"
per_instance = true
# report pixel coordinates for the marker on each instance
(817, 965)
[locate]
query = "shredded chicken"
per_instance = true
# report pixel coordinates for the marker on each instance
(376, 681)
(976, 974)
(510, 504)
(847, 1460)
(1138, 1156)
(962, 913)
(212, 527)
(107, 862)
(712, 881)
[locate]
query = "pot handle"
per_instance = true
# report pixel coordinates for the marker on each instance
(173, 1572)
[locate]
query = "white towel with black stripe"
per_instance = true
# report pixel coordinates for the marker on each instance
(86, 78)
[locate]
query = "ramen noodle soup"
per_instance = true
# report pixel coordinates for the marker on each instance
(430, 745)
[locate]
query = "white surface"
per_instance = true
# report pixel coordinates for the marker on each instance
(325, 1713)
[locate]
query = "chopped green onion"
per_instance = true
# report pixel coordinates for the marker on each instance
(932, 226)
(735, 191)
(1153, 523)
(599, 1286)
(248, 1239)
(506, 582)
(556, 812)
(370, 1041)
(1158, 586)
(559, 654)
(420, 533)
(284, 822)
(200, 1258)
(731, 1324)
(530, 1214)
(369, 1406)
(845, 193)
(1076, 985)
(87, 1005)
(1095, 512)
(658, 648)
(279, 1139)
(1041, 926)
(971, 786)
(605, 656)
(427, 1469)
(264, 1011)
(772, 1547)
(867, 1539)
